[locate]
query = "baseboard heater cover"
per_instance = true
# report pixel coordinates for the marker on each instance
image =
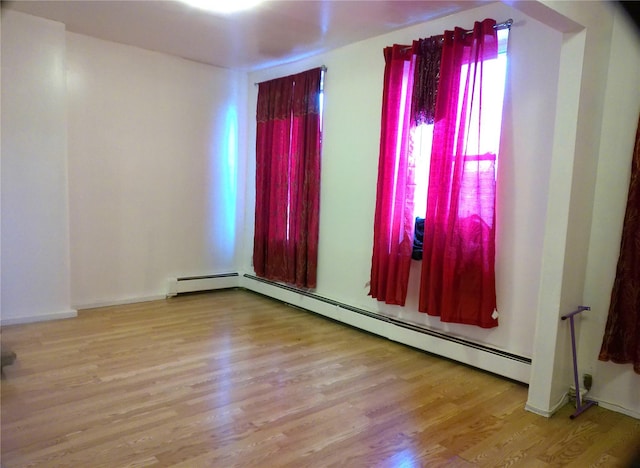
(521, 362)
(187, 284)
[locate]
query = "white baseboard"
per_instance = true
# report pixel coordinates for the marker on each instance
(39, 318)
(547, 413)
(175, 286)
(565, 399)
(477, 356)
(115, 302)
(617, 408)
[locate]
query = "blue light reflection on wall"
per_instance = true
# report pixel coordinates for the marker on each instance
(231, 153)
(223, 160)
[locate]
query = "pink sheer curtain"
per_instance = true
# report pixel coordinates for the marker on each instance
(288, 143)
(458, 279)
(393, 229)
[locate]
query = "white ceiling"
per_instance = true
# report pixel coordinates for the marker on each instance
(276, 32)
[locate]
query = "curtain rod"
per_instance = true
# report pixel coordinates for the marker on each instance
(504, 25)
(322, 67)
(498, 26)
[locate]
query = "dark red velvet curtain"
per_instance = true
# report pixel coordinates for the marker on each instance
(393, 228)
(458, 277)
(621, 342)
(288, 142)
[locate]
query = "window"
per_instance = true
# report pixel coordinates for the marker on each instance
(438, 160)
(422, 135)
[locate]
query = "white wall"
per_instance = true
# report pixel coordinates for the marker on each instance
(35, 220)
(614, 385)
(153, 170)
(595, 92)
(349, 172)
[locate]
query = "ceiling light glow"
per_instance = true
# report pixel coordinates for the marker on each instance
(224, 7)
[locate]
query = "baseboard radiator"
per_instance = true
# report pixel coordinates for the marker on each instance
(477, 355)
(188, 284)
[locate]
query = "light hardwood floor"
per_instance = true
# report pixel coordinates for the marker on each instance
(236, 379)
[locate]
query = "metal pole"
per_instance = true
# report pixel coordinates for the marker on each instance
(580, 408)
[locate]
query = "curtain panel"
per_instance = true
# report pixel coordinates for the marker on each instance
(458, 267)
(393, 222)
(409, 89)
(621, 341)
(288, 147)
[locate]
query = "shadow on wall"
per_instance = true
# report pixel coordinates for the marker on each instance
(632, 8)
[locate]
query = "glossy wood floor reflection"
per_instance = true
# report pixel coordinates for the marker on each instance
(235, 379)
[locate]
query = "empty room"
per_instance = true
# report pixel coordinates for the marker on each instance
(280, 236)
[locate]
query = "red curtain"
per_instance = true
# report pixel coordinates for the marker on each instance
(288, 142)
(393, 229)
(458, 279)
(621, 342)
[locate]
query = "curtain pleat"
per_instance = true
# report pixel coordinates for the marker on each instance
(621, 341)
(305, 174)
